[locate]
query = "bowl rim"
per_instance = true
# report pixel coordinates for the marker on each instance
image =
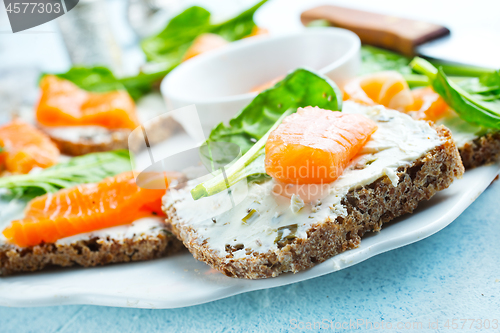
(245, 44)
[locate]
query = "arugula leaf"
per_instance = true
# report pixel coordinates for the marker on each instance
(171, 44)
(252, 126)
(89, 168)
(471, 106)
(1, 149)
(300, 88)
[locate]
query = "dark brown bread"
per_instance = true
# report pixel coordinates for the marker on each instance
(483, 150)
(87, 253)
(367, 209)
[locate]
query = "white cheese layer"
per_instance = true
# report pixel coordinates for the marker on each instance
(264, 218)
(462, 131)
(97, 134)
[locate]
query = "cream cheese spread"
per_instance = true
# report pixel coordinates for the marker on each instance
(263, 217)
(462, 131)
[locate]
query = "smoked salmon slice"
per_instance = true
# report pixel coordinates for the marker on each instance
(314, 146)
(389, 89)
(24, 147)
(428, 105)
(88, 207)
(62, 103)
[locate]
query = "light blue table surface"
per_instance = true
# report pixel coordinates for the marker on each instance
(454, 274)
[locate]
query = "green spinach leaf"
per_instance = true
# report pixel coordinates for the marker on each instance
(480, 106)
(96, 79)
(374, 59)
(171, 44)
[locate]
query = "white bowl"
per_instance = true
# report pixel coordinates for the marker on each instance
(219, 82)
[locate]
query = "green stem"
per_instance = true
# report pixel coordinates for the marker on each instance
(415, 80)
(462, 70)
(236, 171)
(425, 67)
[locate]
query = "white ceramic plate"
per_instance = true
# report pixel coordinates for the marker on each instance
(180, 280)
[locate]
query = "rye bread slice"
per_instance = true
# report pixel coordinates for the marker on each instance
(367, 209)
(94, 251)
(483, 150)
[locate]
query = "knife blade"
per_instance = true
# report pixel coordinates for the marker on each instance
(412, 37)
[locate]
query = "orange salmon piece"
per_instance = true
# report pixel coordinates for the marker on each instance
(258, 31)
(62, 103)
(25, 147)
(204, 43)
(428, 104)
(88, 207)
(314, 146)
(389, 89)
(266, 85)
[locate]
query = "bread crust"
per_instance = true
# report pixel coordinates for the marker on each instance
(86, 145)
(87, 253)
(481, 151)
(157, 129)
(367, 207)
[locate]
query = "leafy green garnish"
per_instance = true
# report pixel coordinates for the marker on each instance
(374, 59)
(252, 126)
(101, 79)
(97, 79)
(239, 26)
(171, 44)
(300, 88)
(89, 168)
(481, 107)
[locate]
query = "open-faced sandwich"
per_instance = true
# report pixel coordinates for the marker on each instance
(323, 175)
(82, 122)
(92, 213)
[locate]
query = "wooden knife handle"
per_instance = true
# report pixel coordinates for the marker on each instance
(390, 32)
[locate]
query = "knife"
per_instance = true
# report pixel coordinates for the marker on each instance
(412, 37)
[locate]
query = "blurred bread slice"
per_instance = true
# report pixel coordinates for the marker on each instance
(81, 140)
